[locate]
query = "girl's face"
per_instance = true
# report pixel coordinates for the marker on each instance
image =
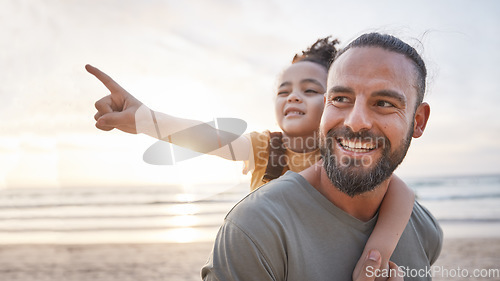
(299, 100)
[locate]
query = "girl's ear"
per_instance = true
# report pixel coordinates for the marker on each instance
(421, 116)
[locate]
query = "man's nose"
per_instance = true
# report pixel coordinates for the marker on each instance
(358, 118)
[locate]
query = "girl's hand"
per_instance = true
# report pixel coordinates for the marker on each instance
(370, 269)
(116, 110)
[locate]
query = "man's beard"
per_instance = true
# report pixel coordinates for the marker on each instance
(349, 174)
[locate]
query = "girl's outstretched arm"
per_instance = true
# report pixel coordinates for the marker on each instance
(123, 111)
(393, 217)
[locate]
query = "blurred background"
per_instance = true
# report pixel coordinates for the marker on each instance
(60, 176)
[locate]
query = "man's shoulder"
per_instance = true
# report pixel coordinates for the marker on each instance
(428, 230)
(270, 200)
(422, 218)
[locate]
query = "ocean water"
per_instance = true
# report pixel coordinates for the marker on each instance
(114, 215)
(465, 206)
(170, 214)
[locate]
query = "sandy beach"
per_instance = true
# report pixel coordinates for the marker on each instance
(182, 262)
(120, 262)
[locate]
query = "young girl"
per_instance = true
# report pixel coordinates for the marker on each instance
(299, 105)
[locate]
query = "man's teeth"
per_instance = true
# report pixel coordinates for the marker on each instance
(356, 145)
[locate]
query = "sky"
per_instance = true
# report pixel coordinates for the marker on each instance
(208, 59)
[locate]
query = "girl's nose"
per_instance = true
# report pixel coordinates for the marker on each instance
(294, 97)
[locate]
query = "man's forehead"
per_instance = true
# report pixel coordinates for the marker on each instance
(372, 63)
(366, 58)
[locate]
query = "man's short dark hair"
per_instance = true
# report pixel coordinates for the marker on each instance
(393, 44)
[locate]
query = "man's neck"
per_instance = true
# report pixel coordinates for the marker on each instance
(363, 206)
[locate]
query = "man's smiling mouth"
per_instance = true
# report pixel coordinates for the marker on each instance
(356, 145)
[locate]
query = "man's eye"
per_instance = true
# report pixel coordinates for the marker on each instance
(340, 99)
(384, 104)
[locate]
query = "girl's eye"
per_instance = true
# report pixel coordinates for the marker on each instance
(311, 91)
(283, 93)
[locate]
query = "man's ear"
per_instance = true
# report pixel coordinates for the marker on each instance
(421, 116)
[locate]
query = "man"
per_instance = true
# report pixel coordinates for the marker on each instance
(314, 225)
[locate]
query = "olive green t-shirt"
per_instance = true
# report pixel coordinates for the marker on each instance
(287, 230)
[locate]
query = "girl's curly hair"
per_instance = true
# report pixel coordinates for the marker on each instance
(322, 52)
